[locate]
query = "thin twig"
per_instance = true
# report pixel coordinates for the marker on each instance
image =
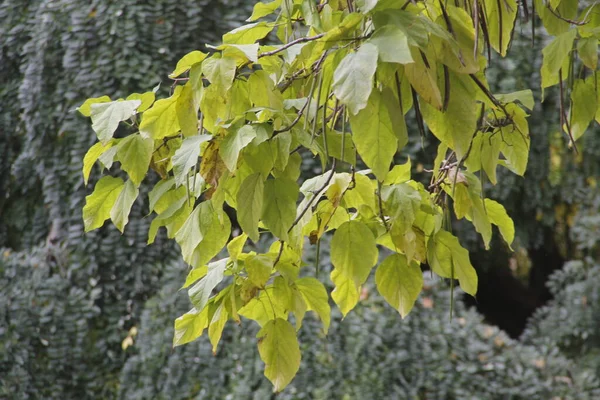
(290, 44)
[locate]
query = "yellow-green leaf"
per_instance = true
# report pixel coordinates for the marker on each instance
(106, 116)
(92, 156)
(315, 296)
(499, 217)
(278, 348)
(190, 326)
(446, 256)
(375, 131)
(345, 293)
(353, 251)
(119, 214)
(392, 45)
(200, 292)
(161, 119)
(86, 108)
(399, 282)
(134, 153)
(100, 202)
(279, 206)
(250, 204)
(187, 62)
(353, 78)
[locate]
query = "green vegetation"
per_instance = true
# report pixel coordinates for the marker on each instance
(91, 315)
(338, 87)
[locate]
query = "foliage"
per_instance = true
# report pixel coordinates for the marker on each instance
(345, 75)
(571, 319)
(369, 354)
(54, 54)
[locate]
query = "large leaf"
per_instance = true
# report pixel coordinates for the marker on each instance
(100, 202)
(119, 214)
(315, 296)
(220, 71)
(134, 152)
(449, 259)
(399, 282)
(345, 293)
(353, 78)
(392, 45)
(500, 18)
(201, 291)
(583, 105)
(248, 34)
(278, 348)
(106, 116)
(250, 204)
(187, 62)
(376, 130)
(92, 156)
(190, 326)
(186, 157)
(279, 206)
(353, 251)
(161, 119)
(234, 142)
(556, 54)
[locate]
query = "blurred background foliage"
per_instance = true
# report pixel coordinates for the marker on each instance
(90, 316)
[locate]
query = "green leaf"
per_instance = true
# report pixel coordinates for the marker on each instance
(555, 55)
(189, 235)
(525, 97)
(263, 9)
(216, 229)
(236, 246)
(200, 292)
(279, 206)
(345, 293)
(186, 109)
(217, 324)
(234, 142)
(187, 62)
(92, 156)
(86, 108)
(134, 153)
(353, 251)
(248, 34)
(278, 348)
(190, 326)
(375, 132)
(587, 49)
(515, 141)
(161, 119)
(220, 71)
(583, 105)
(259, 268)
(315, 296)
(401, 203)
(500, 17)
(119, 214)
(194, 275)
(400, 173)
(499, 217)
(444, 253)
(262, 309)
(250, 204)
(186, 157)
(146, 98)
(106, 116)
(158, 191)
(353, 78)
(399, 282)
(392, 45)
(456, 125)
(100, 202)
